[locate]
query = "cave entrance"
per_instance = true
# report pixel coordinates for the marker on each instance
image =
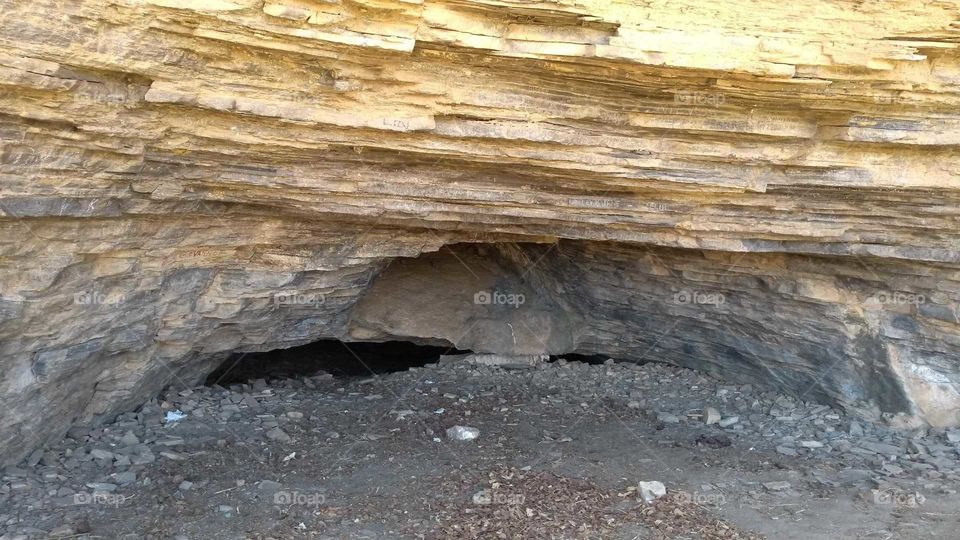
(341, 359)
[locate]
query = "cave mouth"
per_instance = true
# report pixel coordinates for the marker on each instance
(342, 359)
(338, 358)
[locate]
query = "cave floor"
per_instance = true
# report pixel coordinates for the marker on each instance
(560, 452)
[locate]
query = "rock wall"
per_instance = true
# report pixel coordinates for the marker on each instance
(816, 327)
(182, 179)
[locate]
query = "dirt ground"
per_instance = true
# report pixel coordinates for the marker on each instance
(561, 451)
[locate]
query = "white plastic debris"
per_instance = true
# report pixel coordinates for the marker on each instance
(463, 433)
(174, 416)
(651, 491)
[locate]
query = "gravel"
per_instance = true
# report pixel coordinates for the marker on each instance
(96, 470)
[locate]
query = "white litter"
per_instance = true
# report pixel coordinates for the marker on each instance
(463, 433)
(174, 416)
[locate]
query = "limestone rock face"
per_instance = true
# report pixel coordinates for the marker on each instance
(766, 190)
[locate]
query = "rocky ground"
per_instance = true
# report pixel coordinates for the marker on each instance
(563, 450)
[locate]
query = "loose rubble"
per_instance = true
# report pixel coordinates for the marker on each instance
(368, 456)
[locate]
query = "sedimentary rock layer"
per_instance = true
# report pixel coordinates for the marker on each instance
(182, 179)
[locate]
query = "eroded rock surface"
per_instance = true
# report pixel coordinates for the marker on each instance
(768, 191)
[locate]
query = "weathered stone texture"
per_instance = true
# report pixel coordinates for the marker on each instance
(186, 178)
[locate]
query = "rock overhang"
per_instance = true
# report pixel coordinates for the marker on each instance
(183, 180)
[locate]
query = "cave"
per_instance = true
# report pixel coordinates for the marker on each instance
(527, 300)
(340, 359)
(357, 359)
(513, 250)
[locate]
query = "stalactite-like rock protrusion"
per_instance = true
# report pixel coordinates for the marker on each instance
(768, 191)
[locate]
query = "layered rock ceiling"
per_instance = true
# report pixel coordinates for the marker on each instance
(766, 190)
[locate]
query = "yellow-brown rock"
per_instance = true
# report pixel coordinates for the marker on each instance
(769, 191)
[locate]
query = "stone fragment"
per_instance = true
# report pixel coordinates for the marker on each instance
(129, 439)
(277, 434)
(879, 448)
(78, 433)
(143, 458)
(98, 453)
(125, 478)
(891, 469)
(82, 526)
(714, 441)
(35, 457)
(668, 418)
(269, 485)
(651, 490)
(729, 421)
(462, 433)
(62, 531)
(176, 441)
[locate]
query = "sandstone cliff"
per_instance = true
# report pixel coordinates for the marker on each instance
(766, 190)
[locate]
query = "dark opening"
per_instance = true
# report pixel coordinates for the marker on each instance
(335, 357)
(585, 358)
